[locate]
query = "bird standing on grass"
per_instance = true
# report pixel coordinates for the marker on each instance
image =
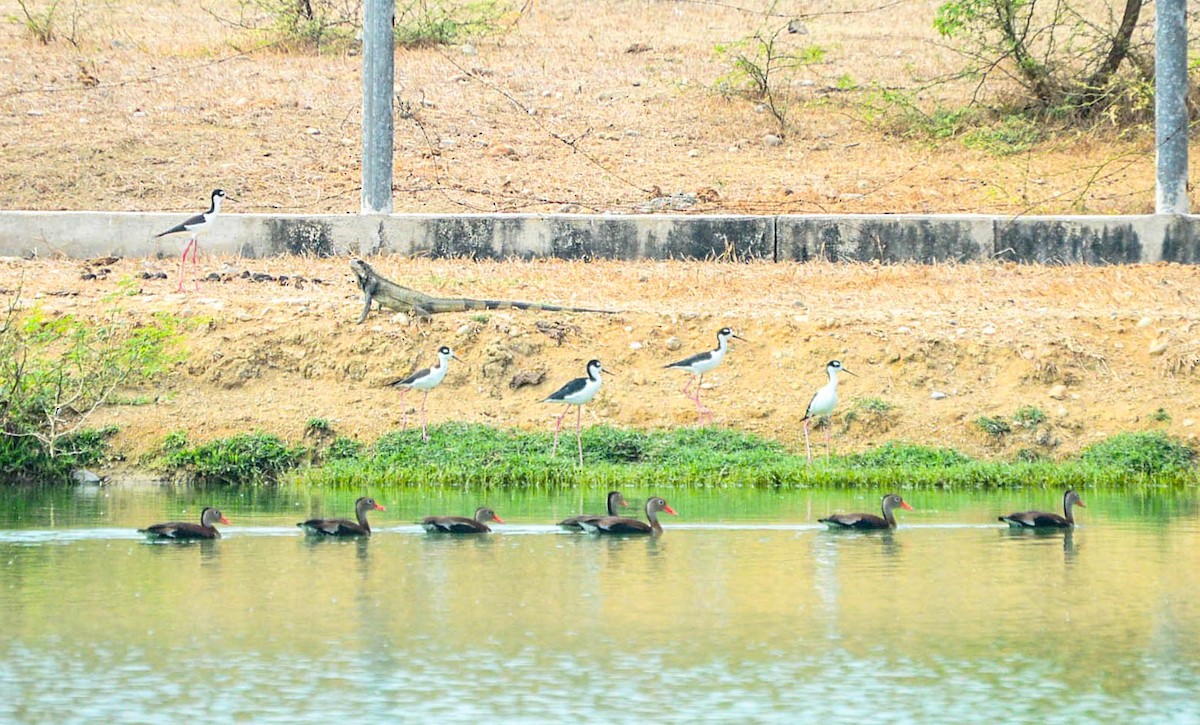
(701, 363)
(577, 392)
(823, 403)
(194, 226)
(425, 380)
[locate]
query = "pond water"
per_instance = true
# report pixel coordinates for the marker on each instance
(745, 609)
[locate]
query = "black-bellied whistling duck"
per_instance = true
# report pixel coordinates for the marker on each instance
(615, 499)
(1043, 519)
(344, 527)
(462, 524)
(622, 525)
(184, 531)
(869, 521)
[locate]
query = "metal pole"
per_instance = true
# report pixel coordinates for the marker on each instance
(1170, 106)
(379, 66)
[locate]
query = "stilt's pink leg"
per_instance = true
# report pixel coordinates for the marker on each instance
(403, 392)
(579, 431)
(687, 387)
(424, 433)
(700, 409)
(183, 262)
(557, 428)
(807, 447)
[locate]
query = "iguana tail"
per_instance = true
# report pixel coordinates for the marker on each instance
(463, 304)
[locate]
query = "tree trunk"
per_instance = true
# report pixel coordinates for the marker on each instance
(1095, 86)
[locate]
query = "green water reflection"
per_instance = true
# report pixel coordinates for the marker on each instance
(744, 609)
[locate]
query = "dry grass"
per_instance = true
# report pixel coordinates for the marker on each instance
(991, 338)
(140, 116)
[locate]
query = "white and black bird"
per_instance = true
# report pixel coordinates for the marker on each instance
(194, 226)
(425, 380)
(577, 392)
(823, 403)
(701, 363)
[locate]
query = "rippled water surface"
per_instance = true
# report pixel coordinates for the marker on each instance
(745, 609)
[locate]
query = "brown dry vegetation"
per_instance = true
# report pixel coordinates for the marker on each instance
(158, 102)
(1098, 350)
(151, 104)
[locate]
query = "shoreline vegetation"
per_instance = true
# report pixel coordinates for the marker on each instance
(480, 456)
(1047, 386)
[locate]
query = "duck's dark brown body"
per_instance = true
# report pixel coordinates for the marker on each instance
(623, 525)
(1045, 519)
(462, 524)
(185, 531)
(869, 521)
(344, 527)
(615, 499)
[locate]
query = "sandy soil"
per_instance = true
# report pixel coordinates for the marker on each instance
(600, 107)
(1098, 350)
(589, 106)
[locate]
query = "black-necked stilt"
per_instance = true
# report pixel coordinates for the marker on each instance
(1043, 519)
(823, 403)
(425, 380)
(577, 392)
(193, 226)
(869, 521)
(461, 524)
(701, 363)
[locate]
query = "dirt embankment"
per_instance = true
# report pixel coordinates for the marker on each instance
(1097, 350)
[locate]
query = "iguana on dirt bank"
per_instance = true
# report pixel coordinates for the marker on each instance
(402, 299)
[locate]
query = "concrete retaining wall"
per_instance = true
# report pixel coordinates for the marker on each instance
(866, 237)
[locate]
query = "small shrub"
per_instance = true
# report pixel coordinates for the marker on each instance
(39, 24)
(615, 445)
(317, 426)
(873, 405)
(874, 414)
(1161, 416)
(24, 459)
(1030, 455)
(996, 427)
(1146, 453)
(343, 448)
(441, 22)
(55, 371)
(907, 455)
(1011, 135)
(175, 441)
(333, 25)
(244, 458)
(1029, 416)
(764, 66)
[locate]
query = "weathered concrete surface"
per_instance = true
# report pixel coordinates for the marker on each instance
(867, 237)
(884, 238)
(1080, 240)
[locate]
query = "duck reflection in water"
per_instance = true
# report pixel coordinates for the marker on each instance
(1044, 537)
(889, 546)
